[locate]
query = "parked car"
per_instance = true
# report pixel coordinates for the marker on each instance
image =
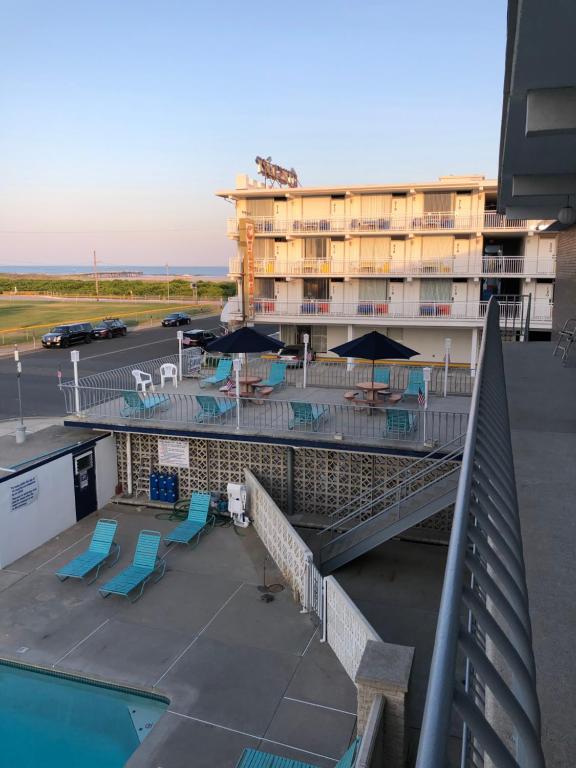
(110, 326)
(65, 335)
(293, 355)
(176, 318)
(197, 338)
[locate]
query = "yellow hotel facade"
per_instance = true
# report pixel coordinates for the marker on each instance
(418, 262)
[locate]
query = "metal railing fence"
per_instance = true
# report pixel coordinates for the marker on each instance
(338, 421)
(483, 632)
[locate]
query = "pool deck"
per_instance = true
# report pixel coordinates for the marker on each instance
(238, 672)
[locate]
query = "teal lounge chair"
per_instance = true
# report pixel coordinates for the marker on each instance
(307, 413)
(253, 758)
(415, 382)
(382, 375)
(399, 422)
(197, 521)
(276, 378)
(211, 408)
(137, 405)
(223, 372)
(101, 546)
(145, 564)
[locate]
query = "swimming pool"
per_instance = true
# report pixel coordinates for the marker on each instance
(49, 720)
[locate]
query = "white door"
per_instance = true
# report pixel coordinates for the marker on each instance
(337, 296)
(281, 294)
(463, 211)
(397, 255)
(396, 293)
(280, 215)
(337, 215)
(398, 213)
(459, 300)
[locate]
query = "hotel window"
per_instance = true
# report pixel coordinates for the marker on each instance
(438, 202)
(373, 289)
(260, 207)
(316, 288)
(263, 249)
(316, 248)
(437, 291)
(264, 287)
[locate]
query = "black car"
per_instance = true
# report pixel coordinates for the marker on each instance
(110, 326)
(197, 338)
(293, 355)
(176, 318)
(65, 335)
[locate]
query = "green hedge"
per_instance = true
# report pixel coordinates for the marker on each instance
(142, 288)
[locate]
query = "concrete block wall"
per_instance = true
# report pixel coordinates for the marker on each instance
(565, 288)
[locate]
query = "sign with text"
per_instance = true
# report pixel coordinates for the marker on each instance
(246, 241)
(23, 493)
(274, 172)
(173, 453)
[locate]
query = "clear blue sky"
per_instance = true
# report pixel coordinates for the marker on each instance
(119, 119)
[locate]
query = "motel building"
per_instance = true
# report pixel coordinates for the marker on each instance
(418, 262)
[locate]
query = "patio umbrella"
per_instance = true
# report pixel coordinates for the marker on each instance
(374, 346)
(244, 340)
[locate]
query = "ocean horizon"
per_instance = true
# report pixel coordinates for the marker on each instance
(146, 269)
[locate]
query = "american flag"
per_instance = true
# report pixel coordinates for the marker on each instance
(227, 386)
(421, 398)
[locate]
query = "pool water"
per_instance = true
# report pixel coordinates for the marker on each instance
(48, 720)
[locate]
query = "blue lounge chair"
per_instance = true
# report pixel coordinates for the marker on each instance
(196, 522)
(136, 405)
(276, 378)
(399, 422)
(253, 758)
(101, 546)
(223, 371)
(382, 375)
(415, 382)
(145, 564)
(211, 408)
(307, 413)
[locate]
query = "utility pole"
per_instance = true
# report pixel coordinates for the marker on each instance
(96, 276)
(167, 284)
(20, 429)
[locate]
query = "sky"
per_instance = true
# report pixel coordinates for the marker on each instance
(119, 120)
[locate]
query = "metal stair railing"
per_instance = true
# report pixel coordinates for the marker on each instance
(367, 528)
(367, 498)
(401, 490)
(566, 337)
(483, 621)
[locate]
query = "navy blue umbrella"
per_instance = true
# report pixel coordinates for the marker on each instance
(374, 346)
(244, 340)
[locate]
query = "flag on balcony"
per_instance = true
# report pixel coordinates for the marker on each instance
(421, 398)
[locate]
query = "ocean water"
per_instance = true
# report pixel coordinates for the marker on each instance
(147, 269)
(53, 722)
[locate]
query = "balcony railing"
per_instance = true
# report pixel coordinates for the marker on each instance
(448, 311)
(483, 675)
(460, 265)
(422, 222)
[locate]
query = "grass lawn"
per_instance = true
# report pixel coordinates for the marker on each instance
(24, 314)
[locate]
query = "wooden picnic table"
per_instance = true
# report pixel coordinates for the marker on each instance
(371, 390)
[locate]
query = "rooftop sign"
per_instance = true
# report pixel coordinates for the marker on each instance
(276, 173)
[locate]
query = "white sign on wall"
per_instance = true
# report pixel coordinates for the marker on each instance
(173, 453)
(23, 493)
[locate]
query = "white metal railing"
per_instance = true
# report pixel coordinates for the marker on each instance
(418, 222)
(463, 265)
(449, 311)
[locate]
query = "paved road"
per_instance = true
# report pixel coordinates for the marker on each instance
(40, 393)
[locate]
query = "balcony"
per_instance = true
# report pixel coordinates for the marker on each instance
(459, 265)
(109, 399)
(427, 313)
(415, 223)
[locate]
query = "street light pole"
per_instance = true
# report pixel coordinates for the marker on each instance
(20, 429)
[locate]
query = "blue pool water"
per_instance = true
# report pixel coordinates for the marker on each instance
(48, 721)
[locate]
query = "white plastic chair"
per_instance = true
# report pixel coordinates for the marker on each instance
(168, 371)
(143, 379)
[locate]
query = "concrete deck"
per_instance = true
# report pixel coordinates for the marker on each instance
(542, 402)
(238, 672)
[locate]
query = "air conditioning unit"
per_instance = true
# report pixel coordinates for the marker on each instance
(237, 504)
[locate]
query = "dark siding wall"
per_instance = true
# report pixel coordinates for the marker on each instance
(565, 289)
